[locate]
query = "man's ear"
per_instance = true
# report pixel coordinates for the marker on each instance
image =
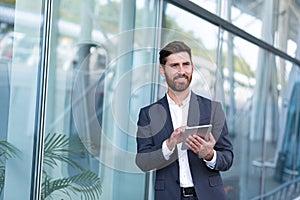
(162, 70)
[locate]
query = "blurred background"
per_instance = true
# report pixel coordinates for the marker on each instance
(74, 75)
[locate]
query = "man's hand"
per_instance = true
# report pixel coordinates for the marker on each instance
(204, 149)
(176, 137)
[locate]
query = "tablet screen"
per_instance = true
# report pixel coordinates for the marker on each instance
(203, 131)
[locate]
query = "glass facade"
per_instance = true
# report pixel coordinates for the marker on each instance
(74, 75)
(266, 20)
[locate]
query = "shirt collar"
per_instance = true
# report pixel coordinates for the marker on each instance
(184, 102)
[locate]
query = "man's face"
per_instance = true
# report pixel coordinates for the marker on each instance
(178, 71)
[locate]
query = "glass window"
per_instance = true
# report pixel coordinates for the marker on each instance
(291, 143)
(238, 84)
(245, 87)
(202, 37)
(267, 20)
(287, 166)
(103, 67)
(20, 53)
(99, 50)
(255, 84)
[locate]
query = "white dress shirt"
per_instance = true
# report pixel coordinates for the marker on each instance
(179, 115)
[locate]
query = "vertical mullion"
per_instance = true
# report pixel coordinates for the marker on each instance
(37, 161)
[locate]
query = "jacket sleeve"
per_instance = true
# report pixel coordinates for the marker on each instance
(223, 145)
(149, 149)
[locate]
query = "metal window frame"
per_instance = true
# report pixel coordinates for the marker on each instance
(218, 21)
(40, 116)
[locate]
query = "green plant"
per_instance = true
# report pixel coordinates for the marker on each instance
(57, 148)
(7, 151)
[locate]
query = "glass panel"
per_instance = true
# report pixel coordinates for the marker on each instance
(181, 25)
(291, 143)
(267, 20)
(251, 94)
(101, 74)
(239, 82)
(287, 165)
(103, 69)
(211, 6)
(247, 15)
(256, 83)
(211, 76)
(20, 39)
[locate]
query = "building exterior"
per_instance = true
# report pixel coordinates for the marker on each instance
(74, 74)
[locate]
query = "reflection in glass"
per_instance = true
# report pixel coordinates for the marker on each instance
(94, 89)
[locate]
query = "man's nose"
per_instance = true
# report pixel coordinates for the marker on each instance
(181, 68)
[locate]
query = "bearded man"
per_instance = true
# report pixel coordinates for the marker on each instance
(183, 174)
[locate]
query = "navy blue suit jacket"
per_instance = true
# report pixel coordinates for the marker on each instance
(155, 126)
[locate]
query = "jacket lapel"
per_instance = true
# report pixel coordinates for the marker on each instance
(169, 129)
(169, 125)
(194, 111)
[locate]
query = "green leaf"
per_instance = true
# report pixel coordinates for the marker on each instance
(2, 176)
(86, 184)
(57, 147)
(7, 151)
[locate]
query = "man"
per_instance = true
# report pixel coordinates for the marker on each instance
(183, 174)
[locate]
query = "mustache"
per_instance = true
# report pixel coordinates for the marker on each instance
(182, 76)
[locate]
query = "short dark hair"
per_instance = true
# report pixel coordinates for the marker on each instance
(173, 47)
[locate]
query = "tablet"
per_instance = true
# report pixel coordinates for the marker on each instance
(203, 131)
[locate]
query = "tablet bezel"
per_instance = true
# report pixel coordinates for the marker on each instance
(203, 131)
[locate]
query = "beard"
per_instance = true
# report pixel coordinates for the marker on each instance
(178, 86)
